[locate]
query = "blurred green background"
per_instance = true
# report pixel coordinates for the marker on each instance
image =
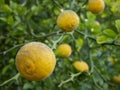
(96, 41)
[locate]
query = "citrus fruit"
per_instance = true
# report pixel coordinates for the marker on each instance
(116, 79)
(64, 50)
(96, 6)
(81, 66)
(113, 60)
(68, 20)
(35, 61)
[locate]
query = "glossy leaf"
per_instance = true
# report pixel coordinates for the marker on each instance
(104, 39)
(79, 44)
(117, 24)
(110, 33)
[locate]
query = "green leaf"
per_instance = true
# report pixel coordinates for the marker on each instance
(117, 40)
(79, 44)
(1, 5)
(3, 19)
(91, 17)
(10, 20)
(6, 8)
(35, 9)
(117, 24)
(5, 69)
(27, 86)
(104, 39)
(109, 33)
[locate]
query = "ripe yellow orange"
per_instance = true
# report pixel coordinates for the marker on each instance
(113, 60)
(64, 50)
(35, 61)
(81, 66)
(68, 20)
(96, 6)
(116, 79)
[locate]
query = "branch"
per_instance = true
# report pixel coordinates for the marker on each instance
(96, 84)
(92, 38)
(70, 79)
(98, 71)
(4, 52)
(55, 42)
(57, 4)
(91, 62)
(84, 34)
(44, 36)
(13, 78)
(114, 44)
(85, 2)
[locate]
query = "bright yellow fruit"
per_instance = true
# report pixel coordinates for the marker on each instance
(116, 79)
(96, 6)
(64, 50)
(68, 20)
(81, 66)
(113, 60)
(35, 61)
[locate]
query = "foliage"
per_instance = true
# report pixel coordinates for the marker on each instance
(95, 40)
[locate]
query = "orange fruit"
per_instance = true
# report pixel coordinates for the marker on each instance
(116, 79)
(81, 66)
(68, 20)
(35, 61)
(96, 6)
(64, 50)
(113, 60)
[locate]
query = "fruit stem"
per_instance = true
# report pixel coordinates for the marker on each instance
(13, 78)
(55, 42)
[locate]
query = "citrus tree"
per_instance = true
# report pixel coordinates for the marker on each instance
(59, 44)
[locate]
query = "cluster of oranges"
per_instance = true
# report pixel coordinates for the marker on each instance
(36, 61)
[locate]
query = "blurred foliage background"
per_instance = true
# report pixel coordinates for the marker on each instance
(96, 41)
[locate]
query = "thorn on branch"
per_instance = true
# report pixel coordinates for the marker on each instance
(13, 78)
(84, 34)
(70, 79)
(6, 51)
(55, 42)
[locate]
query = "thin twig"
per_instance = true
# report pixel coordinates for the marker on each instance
(91, 62)
(55, 42)
(105, 80)
(85, 3)
(90, 57)
(70, 79)
(87, 36)
(57, 4)
(13, 78)
(113, 44)
(44, 36)
(92, 38)
(4, 52)
(98, 71)
(96, 84)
